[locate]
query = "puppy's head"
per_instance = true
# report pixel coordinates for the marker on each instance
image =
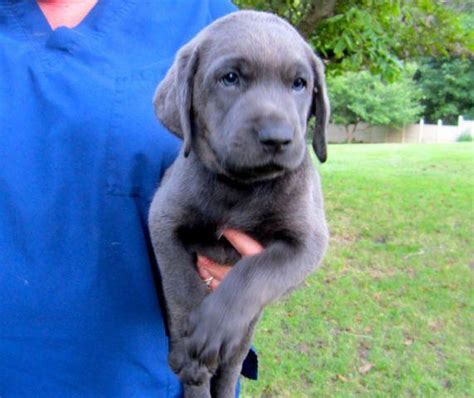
(240, 94)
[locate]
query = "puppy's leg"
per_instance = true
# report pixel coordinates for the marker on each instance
(201, 391)
(183, 291)
(224, 383)
(219, 325)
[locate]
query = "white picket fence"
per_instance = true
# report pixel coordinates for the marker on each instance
(420, 133)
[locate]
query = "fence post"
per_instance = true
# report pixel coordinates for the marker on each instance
(420, 131)
(438, 129)
(460, 124)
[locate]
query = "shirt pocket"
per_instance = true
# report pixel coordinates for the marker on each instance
(138, 148)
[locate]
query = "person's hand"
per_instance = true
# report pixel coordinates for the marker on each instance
(214, 273)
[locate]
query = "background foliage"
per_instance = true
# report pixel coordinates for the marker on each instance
(380, 37)
(448, 87)
(375, 34)
(362, 97)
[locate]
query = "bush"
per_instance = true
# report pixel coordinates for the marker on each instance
(465, 137)
(447, 88)
(362, 97)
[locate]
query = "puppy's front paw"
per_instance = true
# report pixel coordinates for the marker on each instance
(188, 369)
(202, 391)
(194, 373)
(214, 334)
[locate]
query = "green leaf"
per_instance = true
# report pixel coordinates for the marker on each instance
(340, 47)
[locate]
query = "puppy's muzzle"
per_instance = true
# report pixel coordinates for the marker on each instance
(276, 138)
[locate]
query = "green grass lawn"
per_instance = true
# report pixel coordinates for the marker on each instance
(390, 313)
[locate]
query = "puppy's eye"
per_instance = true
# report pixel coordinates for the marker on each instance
(299, 84)
(230, 79)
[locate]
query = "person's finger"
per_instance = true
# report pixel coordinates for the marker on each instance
(243, 243)
(211, 268)
(218, 271)
(202, 271)
(205, 275)
(214, 284)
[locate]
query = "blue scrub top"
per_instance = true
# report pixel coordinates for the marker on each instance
(80, 157)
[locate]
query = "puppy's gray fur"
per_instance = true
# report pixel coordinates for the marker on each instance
(244, 165)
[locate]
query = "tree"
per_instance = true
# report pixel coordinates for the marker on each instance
(362, 97)
(448, 88)
(375, 34)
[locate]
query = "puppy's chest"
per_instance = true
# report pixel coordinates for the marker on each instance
(255, 215)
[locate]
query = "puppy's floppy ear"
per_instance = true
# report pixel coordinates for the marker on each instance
(320, 109)
(173, 97)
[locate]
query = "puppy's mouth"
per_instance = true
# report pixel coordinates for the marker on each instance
(270, 166)
(256, 173)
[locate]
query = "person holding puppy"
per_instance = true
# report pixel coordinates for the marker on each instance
(80, 157)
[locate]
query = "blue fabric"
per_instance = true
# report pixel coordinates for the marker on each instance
(80, 157)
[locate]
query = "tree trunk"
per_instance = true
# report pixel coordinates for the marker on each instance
(350, 132)
(316, 11)
(349, 135)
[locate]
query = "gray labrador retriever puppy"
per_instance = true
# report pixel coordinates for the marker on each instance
(240, 95)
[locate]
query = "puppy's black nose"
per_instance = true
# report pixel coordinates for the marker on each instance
(276, 137)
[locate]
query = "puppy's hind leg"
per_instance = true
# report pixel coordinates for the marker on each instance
(183, 291)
